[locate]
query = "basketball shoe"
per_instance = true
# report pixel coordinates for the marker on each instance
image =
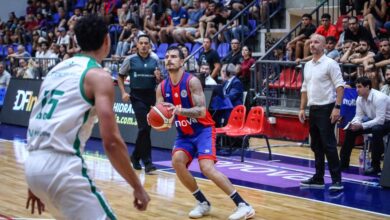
(201, 209)
(243, 211)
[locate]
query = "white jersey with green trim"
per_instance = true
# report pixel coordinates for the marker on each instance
(63, 117)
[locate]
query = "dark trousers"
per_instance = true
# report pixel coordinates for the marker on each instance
(323, 142)
(357, 5)
(141, 101)
(377, 146)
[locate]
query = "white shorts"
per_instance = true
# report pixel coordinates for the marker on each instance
(61, 181)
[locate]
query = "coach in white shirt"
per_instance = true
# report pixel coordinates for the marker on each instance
(322, 90)
(372, 116)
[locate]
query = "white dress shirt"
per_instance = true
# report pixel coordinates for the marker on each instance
(375, 107)
(321, 79)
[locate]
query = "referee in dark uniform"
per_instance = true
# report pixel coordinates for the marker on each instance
(144, 73)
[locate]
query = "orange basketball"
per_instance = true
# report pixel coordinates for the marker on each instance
(160, 118)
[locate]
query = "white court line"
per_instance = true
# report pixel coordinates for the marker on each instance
(295, 197)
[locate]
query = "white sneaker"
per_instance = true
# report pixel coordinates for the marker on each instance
(200, 210)
(243, 211)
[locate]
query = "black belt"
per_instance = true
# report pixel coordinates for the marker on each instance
(314, 107)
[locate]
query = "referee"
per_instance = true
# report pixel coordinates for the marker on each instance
(144, 76)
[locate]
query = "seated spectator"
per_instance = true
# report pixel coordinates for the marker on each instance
(331, 50)
(211, 57)
(45, 52)
(234, 56)
(21, 52)
(205, 71)
(187, 32)
(63, 37)
(124, 40)
(339, 44)
(150, 25)
(5, 76)
(296, 44)
(190, 65)
(326, 29)
(179, 19)
(76, 16)
(238, 29)
(206, 22)
(374, 16)
(230, 96)
(355, 32)
(386, 87)
(381, 59)
(24, 70)
(244, 73)
(372, 116)
(63, 55)
(356, 4)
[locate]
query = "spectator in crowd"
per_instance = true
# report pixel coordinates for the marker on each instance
(5, 76)
(21, 52)
(232, 90)
(381, 59)
(25, 70)
(296, 44)
(179, 19)
(244, 73)
(150, 24)
(96, 7)
(187, 32)
(205, 71)
(211, 57)
(374, 16)
(45, 52)
(331, 50)
(234, 56)
(322, 90)
(63, 37)
(355, 32)
(238, 29)
(63, 54)
(386, 87)
(62, 18)
(206, 23)
(76, 16)
(372, 116)
(124, 41)
(190, 64)
(356, 4)
(342, 35)
(326, 29)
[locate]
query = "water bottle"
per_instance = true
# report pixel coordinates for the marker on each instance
(361, 159)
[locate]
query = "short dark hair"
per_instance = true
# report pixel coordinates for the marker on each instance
(326, 15)
(90, 32)
(181, 55)
(364, 80)
(353, 18)
(331, 39)
(144, 35)
(307, 16)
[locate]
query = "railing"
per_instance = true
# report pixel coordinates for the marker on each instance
(241, 14)
(281, 82)
(31, 67)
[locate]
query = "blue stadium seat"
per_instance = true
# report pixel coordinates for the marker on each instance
(15, 46)
(173, 45)
(29, 48)
(2, 54)
(56, 18)
(189, 46)
(161, 50)
(2, 96)
(194, 48)
(214, 46)
(223, 49)
(252, 24)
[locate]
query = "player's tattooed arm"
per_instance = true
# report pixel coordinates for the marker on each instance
(198, 99)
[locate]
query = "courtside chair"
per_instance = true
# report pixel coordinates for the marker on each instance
(254, 127)
(235, 122)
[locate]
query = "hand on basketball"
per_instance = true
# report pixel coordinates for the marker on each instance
(171, 107)
(34, 200)
(125, 97)
(141, 199)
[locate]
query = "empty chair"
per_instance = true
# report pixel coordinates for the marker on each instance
(285, 78)
(161, 50)
(223, 49)
(236, 120)
(254, 127)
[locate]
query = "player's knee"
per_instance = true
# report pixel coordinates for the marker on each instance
(178, 162)
(207, 169)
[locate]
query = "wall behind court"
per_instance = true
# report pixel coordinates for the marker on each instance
(7, 6)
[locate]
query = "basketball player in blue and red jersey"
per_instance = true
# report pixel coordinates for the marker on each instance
(183, 94)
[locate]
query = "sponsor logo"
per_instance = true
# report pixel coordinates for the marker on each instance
(24, 101)
(186, 122)
(349, 102)
(168, 95)
(123, 108)
(176, 95)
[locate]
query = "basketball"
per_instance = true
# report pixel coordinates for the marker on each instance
(160, 118)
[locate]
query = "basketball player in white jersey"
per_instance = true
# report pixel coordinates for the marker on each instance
(73, 95)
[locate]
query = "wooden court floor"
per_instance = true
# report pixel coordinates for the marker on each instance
(170, 200)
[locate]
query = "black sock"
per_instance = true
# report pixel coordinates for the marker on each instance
(200, 197)
(237, 198)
